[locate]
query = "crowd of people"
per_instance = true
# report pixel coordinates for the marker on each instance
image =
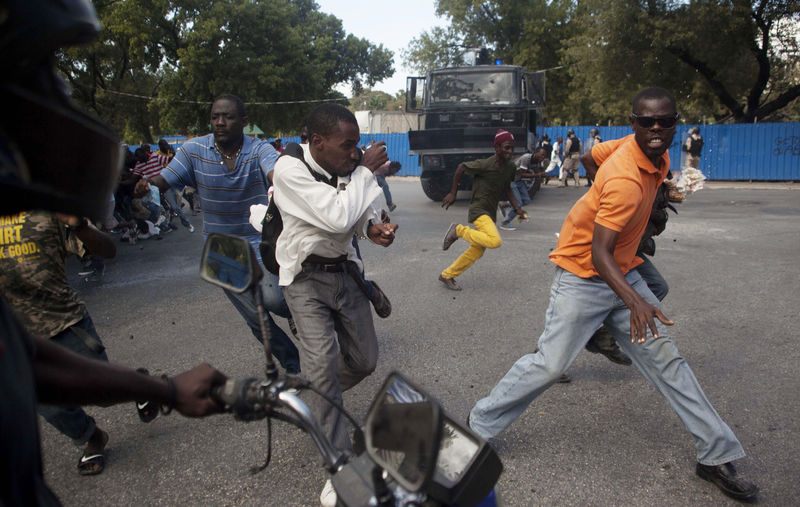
(52, 360)
(140, 210)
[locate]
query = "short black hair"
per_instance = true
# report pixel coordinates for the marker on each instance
(325, 118)
(236, 100)
(654, 92)
(394, 165)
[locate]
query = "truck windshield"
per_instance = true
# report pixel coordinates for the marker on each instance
(473, 88)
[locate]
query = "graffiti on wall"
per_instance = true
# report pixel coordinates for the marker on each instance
(789, 145)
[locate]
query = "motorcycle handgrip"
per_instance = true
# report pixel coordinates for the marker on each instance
(216, 394)
(228, 393)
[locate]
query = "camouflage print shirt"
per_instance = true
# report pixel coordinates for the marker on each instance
(33, 278)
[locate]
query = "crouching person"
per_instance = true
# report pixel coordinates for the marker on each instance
(319, 268)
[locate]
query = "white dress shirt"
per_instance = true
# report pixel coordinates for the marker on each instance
(317, 218)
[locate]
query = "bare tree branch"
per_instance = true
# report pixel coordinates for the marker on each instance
(711, 78)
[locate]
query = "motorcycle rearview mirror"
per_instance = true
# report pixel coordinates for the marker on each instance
(402, 432)
(467, 468)
(229, 262)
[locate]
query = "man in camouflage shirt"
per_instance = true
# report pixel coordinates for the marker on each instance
(33, 280)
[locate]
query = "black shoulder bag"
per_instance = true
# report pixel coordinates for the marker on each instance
(272, 226)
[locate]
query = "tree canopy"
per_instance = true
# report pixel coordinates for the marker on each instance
(376, 100)
(158, 63)
(726, 60)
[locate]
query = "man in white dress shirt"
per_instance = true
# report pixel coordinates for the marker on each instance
(319, 267)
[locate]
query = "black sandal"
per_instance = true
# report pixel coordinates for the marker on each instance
(92, 464)
(147, 410)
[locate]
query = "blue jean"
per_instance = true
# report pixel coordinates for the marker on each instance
(577, 308)
(172, 200)
(272, 298)
(73, 421)
(385, 186)
(522, 197)
(655, 282)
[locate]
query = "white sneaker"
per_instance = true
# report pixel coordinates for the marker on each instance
(328, 496)
(508, 227)
(191, 228)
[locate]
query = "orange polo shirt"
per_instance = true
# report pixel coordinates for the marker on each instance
(601, 151)
(620, 199)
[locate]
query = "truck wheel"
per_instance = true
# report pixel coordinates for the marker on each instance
(436, 187)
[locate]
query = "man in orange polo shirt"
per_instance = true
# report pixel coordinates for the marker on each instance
(595, 283)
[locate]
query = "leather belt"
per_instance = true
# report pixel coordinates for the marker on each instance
(325, 264)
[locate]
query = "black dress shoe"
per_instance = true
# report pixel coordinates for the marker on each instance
(383, 307)
(608, 347)
(724, 477)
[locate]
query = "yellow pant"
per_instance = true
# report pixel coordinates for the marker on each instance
(484, 236)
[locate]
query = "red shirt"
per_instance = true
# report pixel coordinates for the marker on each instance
(152, 167)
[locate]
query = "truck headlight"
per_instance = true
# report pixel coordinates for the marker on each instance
(431, 161)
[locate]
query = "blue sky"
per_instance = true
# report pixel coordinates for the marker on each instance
(391, 23)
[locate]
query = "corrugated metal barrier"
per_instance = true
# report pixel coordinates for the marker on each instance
(758, 152)
(396, 146)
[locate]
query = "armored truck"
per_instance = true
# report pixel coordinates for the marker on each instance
(459, 109)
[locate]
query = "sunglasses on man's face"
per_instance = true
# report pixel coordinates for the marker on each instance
(648, 121)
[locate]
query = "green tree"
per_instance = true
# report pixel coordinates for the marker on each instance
(519, 32)
(376, 100)
(731, 60)
(180, 54)
(136, 41)
(623, 45)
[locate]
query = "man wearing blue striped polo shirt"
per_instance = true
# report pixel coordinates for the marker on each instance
(229, 170)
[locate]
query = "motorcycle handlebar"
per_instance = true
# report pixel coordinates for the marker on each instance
(252, 399)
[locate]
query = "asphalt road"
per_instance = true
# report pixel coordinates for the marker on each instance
(607, 438)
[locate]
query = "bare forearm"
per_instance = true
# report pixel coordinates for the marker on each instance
(457, 178)
(610, 272)
(160, 182)
(66, 378)
(97, 242)
(590, 165)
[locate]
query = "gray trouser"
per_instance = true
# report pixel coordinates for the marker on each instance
(338, 347)
(577, 307)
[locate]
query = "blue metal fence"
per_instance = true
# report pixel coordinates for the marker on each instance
(758, 152)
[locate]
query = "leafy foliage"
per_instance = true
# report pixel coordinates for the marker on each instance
(728, 60)
(183, 53)
(375, 100)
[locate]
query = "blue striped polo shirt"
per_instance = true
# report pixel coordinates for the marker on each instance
(225, 197)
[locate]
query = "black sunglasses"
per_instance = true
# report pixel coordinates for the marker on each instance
(648, 121)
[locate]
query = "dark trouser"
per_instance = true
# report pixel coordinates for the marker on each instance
(655, 282)
(338, 347)
(272, 298)
(73, 422)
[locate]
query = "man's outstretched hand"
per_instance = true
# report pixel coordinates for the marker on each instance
(448, 200)
(643, 315)
(193, 391)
